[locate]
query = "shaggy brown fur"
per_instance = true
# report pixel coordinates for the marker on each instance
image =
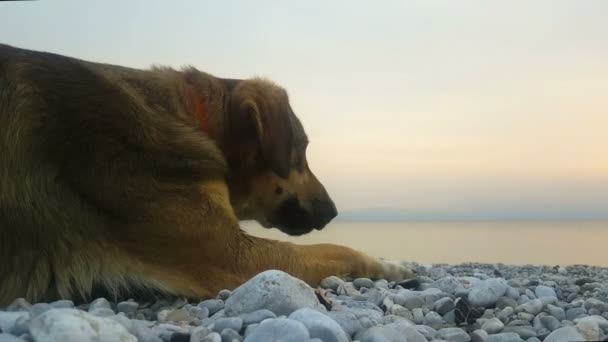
(117, 178)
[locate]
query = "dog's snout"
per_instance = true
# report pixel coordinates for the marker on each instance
(325, 211)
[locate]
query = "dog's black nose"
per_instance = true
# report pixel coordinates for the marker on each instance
(325, 211)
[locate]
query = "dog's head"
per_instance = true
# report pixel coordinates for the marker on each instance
(265, 146)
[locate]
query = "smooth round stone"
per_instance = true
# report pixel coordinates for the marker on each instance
(589, 329)
(380, 333)
(550, 322)
(569, 333)
(533, 307)
(544, 291)
(348, 321)
(574, 313)
(19, 304)
(522, 331)
(212, 337)
(504, 337)
(486, 293)
(224, 294)
(127, 306)
(418, 315)
(414, 302)
(213, 305)
(99, 303)
(319, 326)
(8, 319)
(198, 312)
(503, 302)
(279, 329)
(234, 323)
(479, 336)
(199, 333)
(274, 290)
(256, 316)
(230, 335)
(593, 303)
(432, 319)
(70, 325)
(142, 331)
(10, 338)
(443, 305)
(331, 283)
(62, 304)
(363, 282)
(492, 326)
(557, 312)
(428, 332)
(453, 335)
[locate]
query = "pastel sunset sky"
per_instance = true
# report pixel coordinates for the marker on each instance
(495, 109)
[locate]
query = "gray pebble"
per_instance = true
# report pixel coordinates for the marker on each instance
(102, 312)
(485, 293)
(39, 308)
(414, 302)
(574, 313)
(199, 333)
(565, 334)
(212, 337)
(99, 303)
(9, 318)
(557, 312)
(492, 326)
(256, 316)
(10, 338)
(198, 312)
(224, 294)
(380, 334)
(230, 335)
(234, 323)
(363, 282)
(279, 329)
(62, 304)
(544, 291)
(274, 290)
(75, 325)
(418, 315)
(532, 307)
(319, 326)
(479, 336)
(550, 322)
(331, 283)
(504, 337)
(19, 304)
(348, 321)
(433, 319)
(213, 305)
(443, 305)
(453, 335)
(127, 307)
(593, 303)
(503, 302)
(522, 331)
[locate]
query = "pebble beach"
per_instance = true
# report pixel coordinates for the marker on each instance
(456, 303)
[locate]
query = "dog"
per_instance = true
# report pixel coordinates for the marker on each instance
(131, 180)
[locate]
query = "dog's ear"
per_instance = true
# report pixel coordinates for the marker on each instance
(265, 106)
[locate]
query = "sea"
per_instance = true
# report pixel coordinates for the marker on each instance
(514, 242)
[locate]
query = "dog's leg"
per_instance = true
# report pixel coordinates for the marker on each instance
(204, 250)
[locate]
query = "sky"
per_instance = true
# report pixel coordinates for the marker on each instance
(485, 109)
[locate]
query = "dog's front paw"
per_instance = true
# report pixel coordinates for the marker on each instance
(394, 271)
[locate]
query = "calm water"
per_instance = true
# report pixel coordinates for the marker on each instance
(552, 243)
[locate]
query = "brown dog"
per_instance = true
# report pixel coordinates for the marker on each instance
(129, 179)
